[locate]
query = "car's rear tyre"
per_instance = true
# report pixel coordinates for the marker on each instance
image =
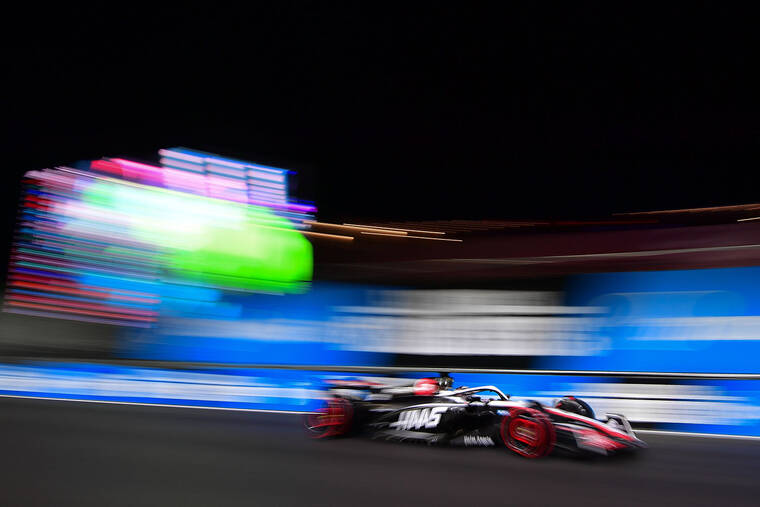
(333, 419)
(527, 432)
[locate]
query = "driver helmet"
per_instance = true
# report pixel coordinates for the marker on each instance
(445, 382)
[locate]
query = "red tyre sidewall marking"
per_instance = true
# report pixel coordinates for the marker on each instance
(545, 436)
(314, 420)
(517, 424)
(346, 411)
(340, 414)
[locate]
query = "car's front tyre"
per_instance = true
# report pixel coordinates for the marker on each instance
(527, 432)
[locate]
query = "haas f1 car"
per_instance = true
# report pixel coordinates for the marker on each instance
(431, 411)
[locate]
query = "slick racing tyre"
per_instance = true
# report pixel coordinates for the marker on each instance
(333, 419)
(527, 432)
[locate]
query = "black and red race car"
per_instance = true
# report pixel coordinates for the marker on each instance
(430, 410)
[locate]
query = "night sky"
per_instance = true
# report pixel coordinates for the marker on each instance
(399, 112)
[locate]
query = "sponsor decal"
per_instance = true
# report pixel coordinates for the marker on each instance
(477, 440)
(378, 397)
(525, 433)
(417, 419)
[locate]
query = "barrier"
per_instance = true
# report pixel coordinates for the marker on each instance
(670, 402)
(704, 321)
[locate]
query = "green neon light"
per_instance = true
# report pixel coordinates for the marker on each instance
(204, 240)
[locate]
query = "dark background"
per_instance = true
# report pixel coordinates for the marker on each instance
(398, 111)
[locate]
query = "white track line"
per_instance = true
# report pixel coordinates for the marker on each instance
(234, 409)
(700, 435)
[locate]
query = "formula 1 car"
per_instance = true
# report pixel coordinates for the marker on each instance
(429, 410)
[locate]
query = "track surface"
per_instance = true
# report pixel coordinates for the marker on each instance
(70, 453)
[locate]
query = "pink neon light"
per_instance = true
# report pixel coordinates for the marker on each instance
(295, 207)
(177, 179)
(221, 181)
(137, 170)
(107, 166)
(63, 179)
(136, 165)
(185, 178)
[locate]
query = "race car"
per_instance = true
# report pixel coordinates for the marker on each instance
(431, 411)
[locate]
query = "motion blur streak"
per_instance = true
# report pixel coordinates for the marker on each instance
(409, 236)
(393, 229)
(116, 251)
(739, 207)
(204, 261)
(352, 227)
(324, 235)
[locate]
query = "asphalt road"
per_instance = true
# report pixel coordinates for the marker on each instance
(71, 453)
